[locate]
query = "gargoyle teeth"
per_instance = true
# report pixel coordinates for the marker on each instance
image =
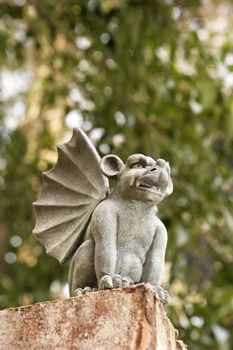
(145, 185)
(149, 187)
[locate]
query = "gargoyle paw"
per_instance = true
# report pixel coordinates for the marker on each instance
(82, 291)
(121, 282)
(115, 281)
(163, 293)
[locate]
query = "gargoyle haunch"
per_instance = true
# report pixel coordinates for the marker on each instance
(114, 238)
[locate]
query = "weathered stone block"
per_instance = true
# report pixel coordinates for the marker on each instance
(130, 318)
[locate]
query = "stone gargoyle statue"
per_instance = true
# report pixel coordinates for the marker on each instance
(114, 238)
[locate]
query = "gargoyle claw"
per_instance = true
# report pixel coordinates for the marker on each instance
(163, 293)
(106, 282)
(78, 292)
(126, 282)
(117, 281)
(87, 290)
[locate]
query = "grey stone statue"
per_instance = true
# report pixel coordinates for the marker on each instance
(115, 239)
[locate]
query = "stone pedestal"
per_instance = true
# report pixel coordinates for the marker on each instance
(127, 319)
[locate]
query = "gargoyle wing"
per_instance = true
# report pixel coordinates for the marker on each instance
(70, 193)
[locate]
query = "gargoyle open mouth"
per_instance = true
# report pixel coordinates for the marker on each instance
(150, 185)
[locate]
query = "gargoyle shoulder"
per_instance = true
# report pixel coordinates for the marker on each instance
(105, 209)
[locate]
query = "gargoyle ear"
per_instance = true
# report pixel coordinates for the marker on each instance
(169, 189)
(111, 165)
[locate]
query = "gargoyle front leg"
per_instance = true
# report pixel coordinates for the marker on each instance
(153, 268)
(104, 229)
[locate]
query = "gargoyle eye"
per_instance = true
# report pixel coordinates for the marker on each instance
(137, 165)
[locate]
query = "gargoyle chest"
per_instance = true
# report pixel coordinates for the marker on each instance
(135, 227)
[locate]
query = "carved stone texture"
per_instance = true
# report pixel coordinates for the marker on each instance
(114, 239)
(121, 319)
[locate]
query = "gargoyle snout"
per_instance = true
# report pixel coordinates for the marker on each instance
(153, 168)
(163, 177)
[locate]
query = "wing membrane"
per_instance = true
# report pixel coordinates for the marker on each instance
(70, 193)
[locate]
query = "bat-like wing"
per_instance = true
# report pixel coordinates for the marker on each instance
(70, 193)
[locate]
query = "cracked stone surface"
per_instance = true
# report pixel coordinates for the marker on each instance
(129, 318)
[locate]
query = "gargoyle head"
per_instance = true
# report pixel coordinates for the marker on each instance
(140, 178)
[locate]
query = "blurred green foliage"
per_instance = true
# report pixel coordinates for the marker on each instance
(150, 76)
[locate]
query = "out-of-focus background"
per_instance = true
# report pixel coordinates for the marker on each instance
(148, 76)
